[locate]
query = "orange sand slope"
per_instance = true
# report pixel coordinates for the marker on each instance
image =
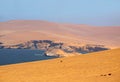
(12, 32)
(95, 67)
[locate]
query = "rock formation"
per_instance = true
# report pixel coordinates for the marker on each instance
(52, 48)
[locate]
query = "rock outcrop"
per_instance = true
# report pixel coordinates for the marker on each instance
(55, 48)
(1, 46)
(59, 53)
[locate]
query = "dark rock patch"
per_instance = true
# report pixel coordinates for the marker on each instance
(106, 74)
(61, 61)
(109, 74)
(48, 45)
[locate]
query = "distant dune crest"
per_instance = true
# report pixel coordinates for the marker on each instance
(17, 31)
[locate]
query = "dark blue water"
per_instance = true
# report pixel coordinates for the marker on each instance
(12, 56)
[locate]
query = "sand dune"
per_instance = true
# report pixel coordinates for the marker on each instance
(95, 67)
(24, 30)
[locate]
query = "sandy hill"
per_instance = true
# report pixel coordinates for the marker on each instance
(17, 31)
(60, 53)
(95, 67)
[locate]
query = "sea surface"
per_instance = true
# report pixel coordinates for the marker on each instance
(12, 56)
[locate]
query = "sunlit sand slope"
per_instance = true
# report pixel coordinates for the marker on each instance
(95, 67)
(17, 31)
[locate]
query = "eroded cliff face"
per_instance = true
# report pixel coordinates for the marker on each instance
(55, 48)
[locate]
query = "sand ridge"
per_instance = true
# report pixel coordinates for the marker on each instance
(24, 30)
(94, 67)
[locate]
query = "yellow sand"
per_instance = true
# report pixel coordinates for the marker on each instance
(93, 67)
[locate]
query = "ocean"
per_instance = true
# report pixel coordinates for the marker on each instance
(13, 56)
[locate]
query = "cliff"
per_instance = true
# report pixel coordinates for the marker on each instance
(52, 48)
